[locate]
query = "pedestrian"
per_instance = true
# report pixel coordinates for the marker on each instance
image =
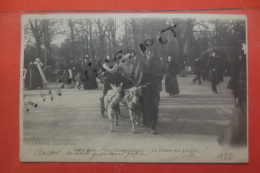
(215, 71)
(205, 74)
(79, 73)
(196, 64)
(67, 73)
(161, 65)
(171, 71)
(90, 73)
(236, 132)
(149, 71)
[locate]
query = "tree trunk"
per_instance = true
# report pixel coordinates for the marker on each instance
(182, 40)
(102, 47)
(83, 52)
(38, 48)
(91, 40)
(72, 37)
(110, 38)
(37, 30)
(133, 22)
(114, 35)
(126, 36)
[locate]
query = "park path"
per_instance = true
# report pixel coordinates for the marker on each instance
(196, 116)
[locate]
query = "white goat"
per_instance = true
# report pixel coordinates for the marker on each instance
(112, 100)
(131, 101)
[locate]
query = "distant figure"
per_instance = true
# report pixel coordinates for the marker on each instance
(90, 72)
(162, 65)
(205, 74)
(171, 71)
(79, 73)
(67, 73)
(162, 71)
(215, 71)
(196, 64)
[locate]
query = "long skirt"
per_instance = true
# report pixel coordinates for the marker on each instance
(91, 82)
(171, 84)
(236, 132)
(33, 79)
(66, 77)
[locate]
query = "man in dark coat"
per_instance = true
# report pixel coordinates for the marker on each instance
(215, 71)
(196, 64)
(149, 71)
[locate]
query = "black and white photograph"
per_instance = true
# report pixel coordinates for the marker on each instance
(134, 87)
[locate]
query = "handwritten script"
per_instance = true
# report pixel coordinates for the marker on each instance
(96, 154)
(187, 154)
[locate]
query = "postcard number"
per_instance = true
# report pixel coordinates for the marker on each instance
(226, 156)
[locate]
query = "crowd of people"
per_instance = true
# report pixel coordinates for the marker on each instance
(210, 69)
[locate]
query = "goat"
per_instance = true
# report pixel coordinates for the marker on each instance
(131, 101)
(112, 100)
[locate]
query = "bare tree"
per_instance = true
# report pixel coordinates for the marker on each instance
(51, 30)
(102, 28)
(91, 45)
(185, 31)
(71, 25)
(134, 30)
(37, 29)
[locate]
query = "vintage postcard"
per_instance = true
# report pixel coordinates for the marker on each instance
(134, 87)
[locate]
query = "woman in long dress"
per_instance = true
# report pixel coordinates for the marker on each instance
(90, 72)
(33, 78)
(236, 132)
(171, 71)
